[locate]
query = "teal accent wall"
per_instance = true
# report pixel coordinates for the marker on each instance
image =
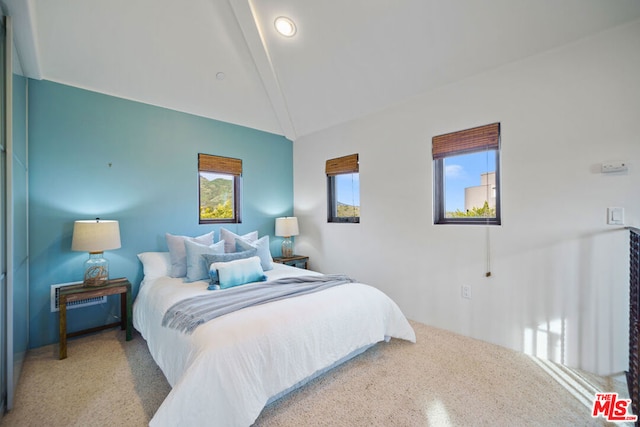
(93, 155)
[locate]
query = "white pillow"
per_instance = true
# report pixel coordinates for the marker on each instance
(197, 268)
(263, 250)
(230, 239)
(179, 254)
(155, 264)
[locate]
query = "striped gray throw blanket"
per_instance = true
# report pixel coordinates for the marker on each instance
(188, 314)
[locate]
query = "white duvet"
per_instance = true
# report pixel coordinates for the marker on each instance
(226, 371)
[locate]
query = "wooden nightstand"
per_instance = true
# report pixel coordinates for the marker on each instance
(299, 261)
(78, 292)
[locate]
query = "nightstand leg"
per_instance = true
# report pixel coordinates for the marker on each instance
(63, 327)
(123, 311)
(128, 314)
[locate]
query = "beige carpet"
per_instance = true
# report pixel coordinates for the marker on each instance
(443, 380)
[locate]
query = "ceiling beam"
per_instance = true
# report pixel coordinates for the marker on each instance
(255, 40)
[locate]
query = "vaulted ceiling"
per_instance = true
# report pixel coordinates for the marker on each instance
(223, 59)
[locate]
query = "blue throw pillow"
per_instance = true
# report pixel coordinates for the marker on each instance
(197, 269)
(230, 237)
(211, 258)
(262, 246)
(239, 272)
(178, 254)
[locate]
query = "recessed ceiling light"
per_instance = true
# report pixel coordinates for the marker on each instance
(285, 26)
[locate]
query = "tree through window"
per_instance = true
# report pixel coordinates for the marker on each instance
(219, 181)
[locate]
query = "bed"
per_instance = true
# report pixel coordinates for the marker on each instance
(229, 368)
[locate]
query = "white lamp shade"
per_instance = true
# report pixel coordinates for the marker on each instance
(95, 236)
(287, 226)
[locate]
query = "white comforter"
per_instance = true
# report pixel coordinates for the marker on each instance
(225, 372)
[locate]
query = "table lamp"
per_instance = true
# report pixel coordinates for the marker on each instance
(95, 237)
(286, 227)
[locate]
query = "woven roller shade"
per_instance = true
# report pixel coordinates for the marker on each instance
(217, 164)
(465, 141)
(346, 164)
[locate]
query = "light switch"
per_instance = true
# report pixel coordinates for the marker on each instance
(615, 216)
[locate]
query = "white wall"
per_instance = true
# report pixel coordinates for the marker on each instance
(559, 284)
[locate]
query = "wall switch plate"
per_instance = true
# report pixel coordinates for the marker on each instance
(609, 167)
(615, 216)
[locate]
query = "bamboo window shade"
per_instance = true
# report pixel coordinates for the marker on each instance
(218, 164)
(467, 141)
(340, 165)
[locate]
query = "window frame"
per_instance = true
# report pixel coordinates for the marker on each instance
(439, 196)
(469, 146)
(345, 165)
(222, 166)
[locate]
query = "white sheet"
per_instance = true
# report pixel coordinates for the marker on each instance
(225, 372)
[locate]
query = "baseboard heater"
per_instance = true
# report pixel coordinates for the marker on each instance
(55, 294)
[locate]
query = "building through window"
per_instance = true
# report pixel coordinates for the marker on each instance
(467, 176)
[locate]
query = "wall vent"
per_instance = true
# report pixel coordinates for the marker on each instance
(55, 292)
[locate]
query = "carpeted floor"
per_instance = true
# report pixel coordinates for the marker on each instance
(443, 380)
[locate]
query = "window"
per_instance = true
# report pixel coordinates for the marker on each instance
(219, 181)
(343, 189)
(467, 176)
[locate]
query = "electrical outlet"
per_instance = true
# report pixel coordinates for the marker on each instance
(466, 291)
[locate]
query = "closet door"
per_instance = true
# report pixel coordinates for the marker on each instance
(4, 295)
(14, 218)
(17, 220)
